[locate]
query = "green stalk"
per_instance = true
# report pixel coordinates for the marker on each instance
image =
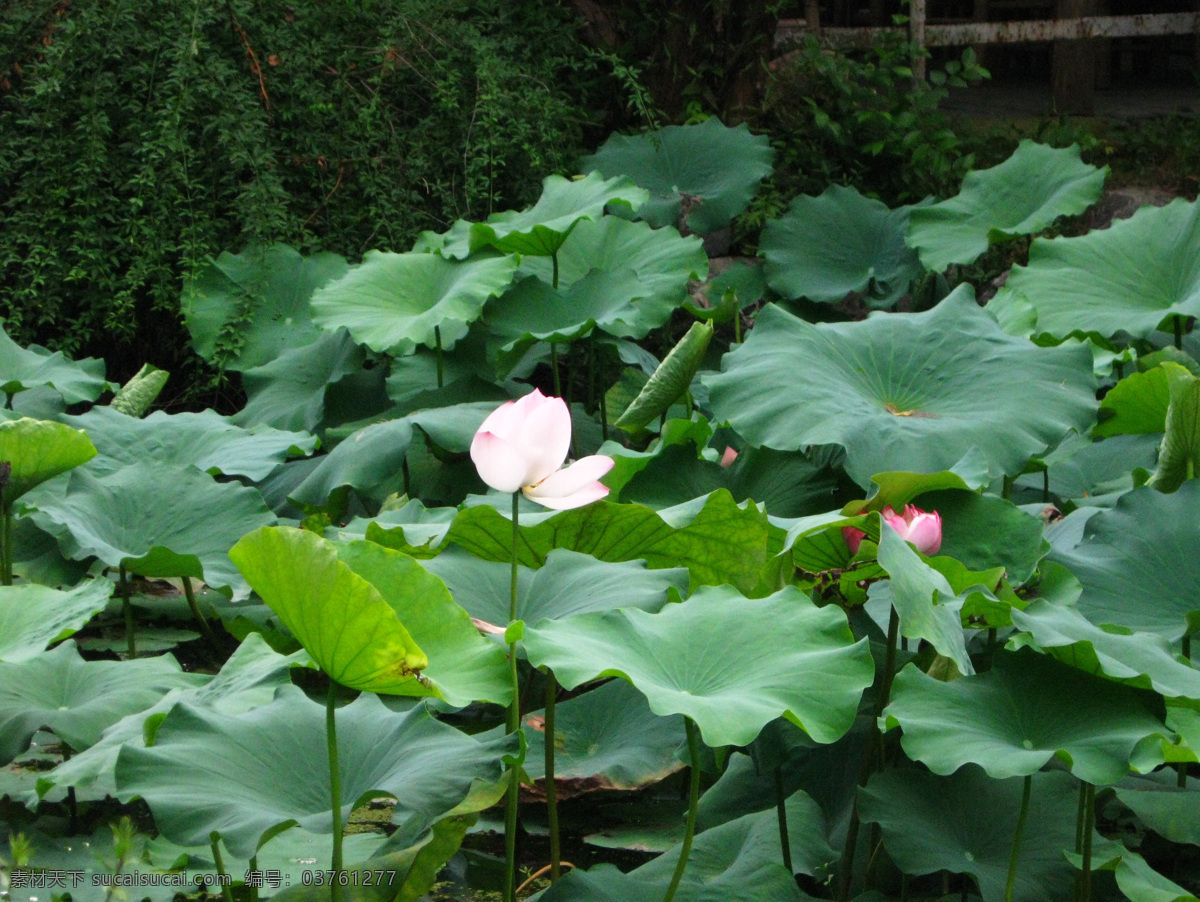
(127, 608)
(6, 555)
(512, 797)
(551, 791)
(335, 788)
(781, 814)
(1179, 332)
(689, 831)
(554, 369)
(554, 262)
(603, 414)
(204, 627)
(437, 350)
(214, 840)
(1089, 826)
(1016, 849)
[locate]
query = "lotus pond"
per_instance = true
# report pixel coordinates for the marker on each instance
(882, 593)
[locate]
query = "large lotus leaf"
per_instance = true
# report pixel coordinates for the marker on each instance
(1179, 456)
(292, 390)
(568, 583)
(715, 538)
(260, 295)
(662, 259)
(26, 368)
(710, 163)
(246, 681)
(1021, 196)
(399, 300)
(983, 531)
(911, 392)
(38, 450)
(823, 248)
(1131, 277)
(703, 658)
(1137, 405)
(1026, 710)
(736, 860)
(78, 699)
(352, 633)
(1143, 660)
(1138, 565)
(1093, 473)
(1169, 811)
(249, 776)
(155, 520)
(927, 605)
(32, 617)
(463, 666)
(605, 739)
(540, 230)
(965, 823)
(205, 440)
(786, 484)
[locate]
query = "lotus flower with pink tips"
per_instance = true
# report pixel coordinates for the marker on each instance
(914, 525)
(523, 444)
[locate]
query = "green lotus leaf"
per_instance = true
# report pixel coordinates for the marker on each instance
(786, 484)
(816, 677)
(717, 169)
(294, 390)
(1180, 451)
(1142, 660)
(1169, 811)
(155, 520)
(983, 532)
(78, 699)
(463, 666)
(250, 776)
(1021, 196)
(397, 301)
(715, 538)
(1137, 563)
(1132, 277)
(1092, 473)
(605, 739)
(22, 369)
(352, 633)
(247, 680)
(1026, 710)
(965, 823)
(33, 617)
(246, 309)
(1141, 883)
(824, 248)
(1137, 405)
(568, 583)
(911, 392)
(740, 859)
(38, 450)
(540, 230)
(135, 396)
(205, 440)
(670, 380)
(662, 259)
(898, 488)
(926, 603)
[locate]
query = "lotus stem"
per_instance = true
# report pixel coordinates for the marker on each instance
(554, 369)
(512, 796)
(127, 609)
(1026, 789)
(554, 263)
(6, 554)
(689, 831)
(196, 612)
(1089, 827)
(335, 788)
(437, 351)
(1179, 332)
(781, 813)
(603, 413)
(551, 790)
(214, 840)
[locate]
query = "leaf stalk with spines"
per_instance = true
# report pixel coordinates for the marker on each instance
(513, 724)
(689, 831)
(781, 814)
(205, 628)
(335, 788)
(1010, 881)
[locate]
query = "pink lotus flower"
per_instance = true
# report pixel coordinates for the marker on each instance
(728, 457)
(523, 445)
(923, 529)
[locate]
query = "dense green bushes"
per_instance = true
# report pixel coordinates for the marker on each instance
(138, 138)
